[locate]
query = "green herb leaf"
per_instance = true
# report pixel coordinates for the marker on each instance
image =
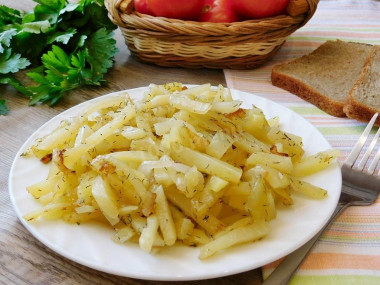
(3, 107)
(5, 38)
(62, 37)
(55, 5)
(48, 10)
(9, 79)
(30, 46)
(61, 74)
(37, 27)
(9, 16)
(69, 8)
(11, 63)
(98, 15)
(100, 50)
(82, 40)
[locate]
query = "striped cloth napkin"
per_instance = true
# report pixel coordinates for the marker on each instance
(349, 250)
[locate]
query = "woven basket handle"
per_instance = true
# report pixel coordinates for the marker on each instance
(295, 7)
(127, 6)
(299, 7)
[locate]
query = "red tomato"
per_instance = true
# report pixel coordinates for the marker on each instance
(255, 9)
(218, 11)
(177, 9)
(141, 6)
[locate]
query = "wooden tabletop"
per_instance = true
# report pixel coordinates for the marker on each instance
(23, 259)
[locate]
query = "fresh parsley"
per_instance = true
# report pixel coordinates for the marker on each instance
(64, 46)
(3, 107)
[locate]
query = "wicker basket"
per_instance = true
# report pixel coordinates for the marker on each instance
(190, 44)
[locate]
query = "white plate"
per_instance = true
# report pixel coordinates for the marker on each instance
(91, 244)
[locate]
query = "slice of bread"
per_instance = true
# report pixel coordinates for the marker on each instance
(364, 98)
(325, 76)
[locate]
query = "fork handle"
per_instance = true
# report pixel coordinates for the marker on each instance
(282, 274)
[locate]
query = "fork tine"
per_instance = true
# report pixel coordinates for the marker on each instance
(372, 167)
(359, 144)
(368, 152)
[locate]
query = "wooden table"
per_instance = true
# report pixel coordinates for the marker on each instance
(23, 259)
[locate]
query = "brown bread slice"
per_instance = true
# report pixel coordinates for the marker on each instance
(325, 76)
(363, 100)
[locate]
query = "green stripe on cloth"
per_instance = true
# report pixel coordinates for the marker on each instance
(307, 110)
(352, 130)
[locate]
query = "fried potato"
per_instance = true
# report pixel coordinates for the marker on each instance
(291, 144)
(279, 162)
(149, 233)
(177, 165)
(307, 188)
(238, 235)
(206, 163)
(219, 144)
(51, 211)
(314, 163)
(165, 217)
(106, 200)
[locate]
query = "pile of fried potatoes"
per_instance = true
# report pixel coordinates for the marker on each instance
(178, 165)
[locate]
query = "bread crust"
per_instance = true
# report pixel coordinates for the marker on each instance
(355, 109)
(307, 93)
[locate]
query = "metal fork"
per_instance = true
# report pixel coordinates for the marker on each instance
(361, 187)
